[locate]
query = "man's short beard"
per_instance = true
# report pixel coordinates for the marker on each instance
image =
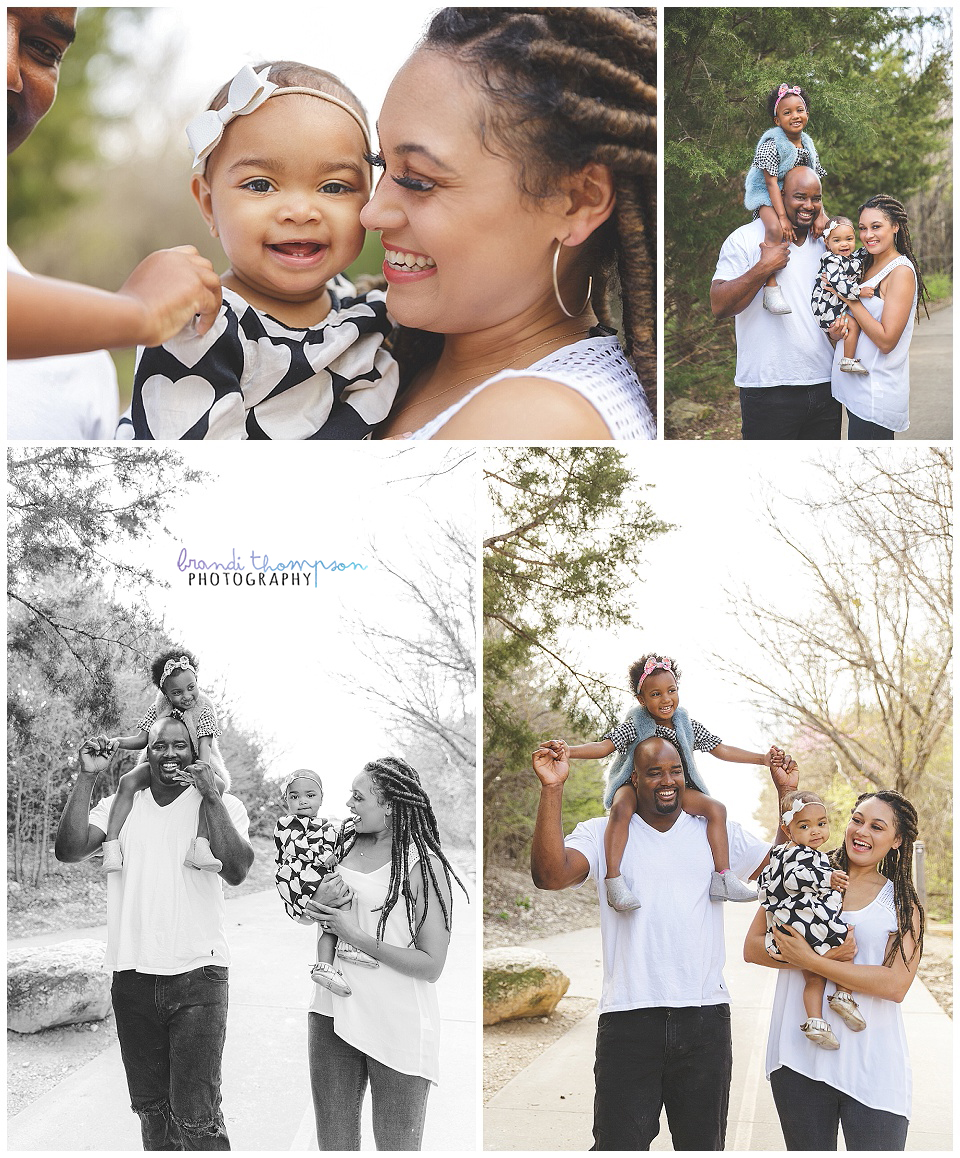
(664, 809)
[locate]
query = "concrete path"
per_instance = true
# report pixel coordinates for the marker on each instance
(266, 1094)
(549, 1105)
(931, 378)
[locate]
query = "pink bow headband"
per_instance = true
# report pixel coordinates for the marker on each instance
(651, 666)
(785, 90)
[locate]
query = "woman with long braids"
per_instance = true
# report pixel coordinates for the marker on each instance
(387, 1032)
(863, 1085)
(517, 208)
(877, 402)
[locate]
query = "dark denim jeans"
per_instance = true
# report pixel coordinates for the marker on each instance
(810, 1112)
(171, 1032)
(790, 412)
(339, 1075)
(648, 1059)
(860, 430)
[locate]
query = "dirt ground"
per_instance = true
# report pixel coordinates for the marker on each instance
(514, 911)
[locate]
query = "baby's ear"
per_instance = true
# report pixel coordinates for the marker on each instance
(200, 189)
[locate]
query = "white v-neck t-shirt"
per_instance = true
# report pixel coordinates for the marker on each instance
(670, 952)
(162, 917)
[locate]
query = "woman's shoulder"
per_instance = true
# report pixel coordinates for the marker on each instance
(526, 407)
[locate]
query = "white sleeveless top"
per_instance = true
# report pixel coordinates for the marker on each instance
(597, 369)
(872, 1065)
(390, 1017)
(883, 395)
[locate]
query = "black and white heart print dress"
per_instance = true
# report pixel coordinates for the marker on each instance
(795, 890)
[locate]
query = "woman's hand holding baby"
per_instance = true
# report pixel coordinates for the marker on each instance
(330, 892)
(171, 287)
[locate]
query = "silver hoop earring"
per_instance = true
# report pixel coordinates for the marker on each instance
(556, 286)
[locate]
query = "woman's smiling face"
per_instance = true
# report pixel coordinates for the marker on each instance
(871, 832)
(465, 250)
(877, 232)
(363, 803)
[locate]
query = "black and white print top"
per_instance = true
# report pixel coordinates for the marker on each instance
(251, 377)
(794, 889)
(204, 720)
(768, 159)
(308, 849)
(843, 273)
(625, 735)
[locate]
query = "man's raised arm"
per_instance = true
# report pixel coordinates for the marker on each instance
(552, 864)
(77, 838)
(729, 298)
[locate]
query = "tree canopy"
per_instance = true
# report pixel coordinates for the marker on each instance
(878, 80)
(567, 529)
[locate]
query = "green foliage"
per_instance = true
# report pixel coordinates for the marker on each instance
(569, 528)
(879, 116)
(939, 286)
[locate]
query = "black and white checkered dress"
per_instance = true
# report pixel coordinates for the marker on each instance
(794, 889)
(624, 736)
(767, 160)
(251, 377)
(308, 849)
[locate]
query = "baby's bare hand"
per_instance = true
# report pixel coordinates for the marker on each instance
(866, 291)
(839, 880)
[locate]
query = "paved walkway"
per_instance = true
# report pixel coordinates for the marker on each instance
(549, 1106)
(931, 378)
(266, 1095)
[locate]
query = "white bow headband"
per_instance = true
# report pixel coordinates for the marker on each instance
(172, 665)
(248, 91)
(798, 806)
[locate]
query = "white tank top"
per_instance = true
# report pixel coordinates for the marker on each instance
(598, 370)
(883, 394)
(872, 1065)
(390, 1016)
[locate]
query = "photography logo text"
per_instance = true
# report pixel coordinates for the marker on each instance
(258, 569)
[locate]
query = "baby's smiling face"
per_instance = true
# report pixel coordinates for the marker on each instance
(283, 192)
(842, 240)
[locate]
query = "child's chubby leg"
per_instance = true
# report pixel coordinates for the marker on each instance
(323, 973)
(724, 885)
(815, 1028)
(773, 299)
(129, 784)
(200, 855)
(850, 363)
(622, 809)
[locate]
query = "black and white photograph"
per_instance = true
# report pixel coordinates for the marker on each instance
(241, 756)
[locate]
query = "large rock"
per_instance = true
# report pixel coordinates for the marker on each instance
(56, 985)
(520, 983)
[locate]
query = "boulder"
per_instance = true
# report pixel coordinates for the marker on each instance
(520, 983)
(56, 985)
(685, 410)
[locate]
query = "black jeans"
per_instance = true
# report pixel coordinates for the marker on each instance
(860, 430)
(810, 1112)
(648, 1059)
(171, 1032)
(790, 412)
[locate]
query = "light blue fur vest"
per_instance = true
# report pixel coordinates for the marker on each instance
(621, 763)
(755, 192)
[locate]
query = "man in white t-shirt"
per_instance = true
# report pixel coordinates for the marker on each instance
(73, 396)
(166, 942)
(784, 361)
(664, 1033)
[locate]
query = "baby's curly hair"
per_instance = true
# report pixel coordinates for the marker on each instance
(636, 668)
(159, 662)
(772, 100)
